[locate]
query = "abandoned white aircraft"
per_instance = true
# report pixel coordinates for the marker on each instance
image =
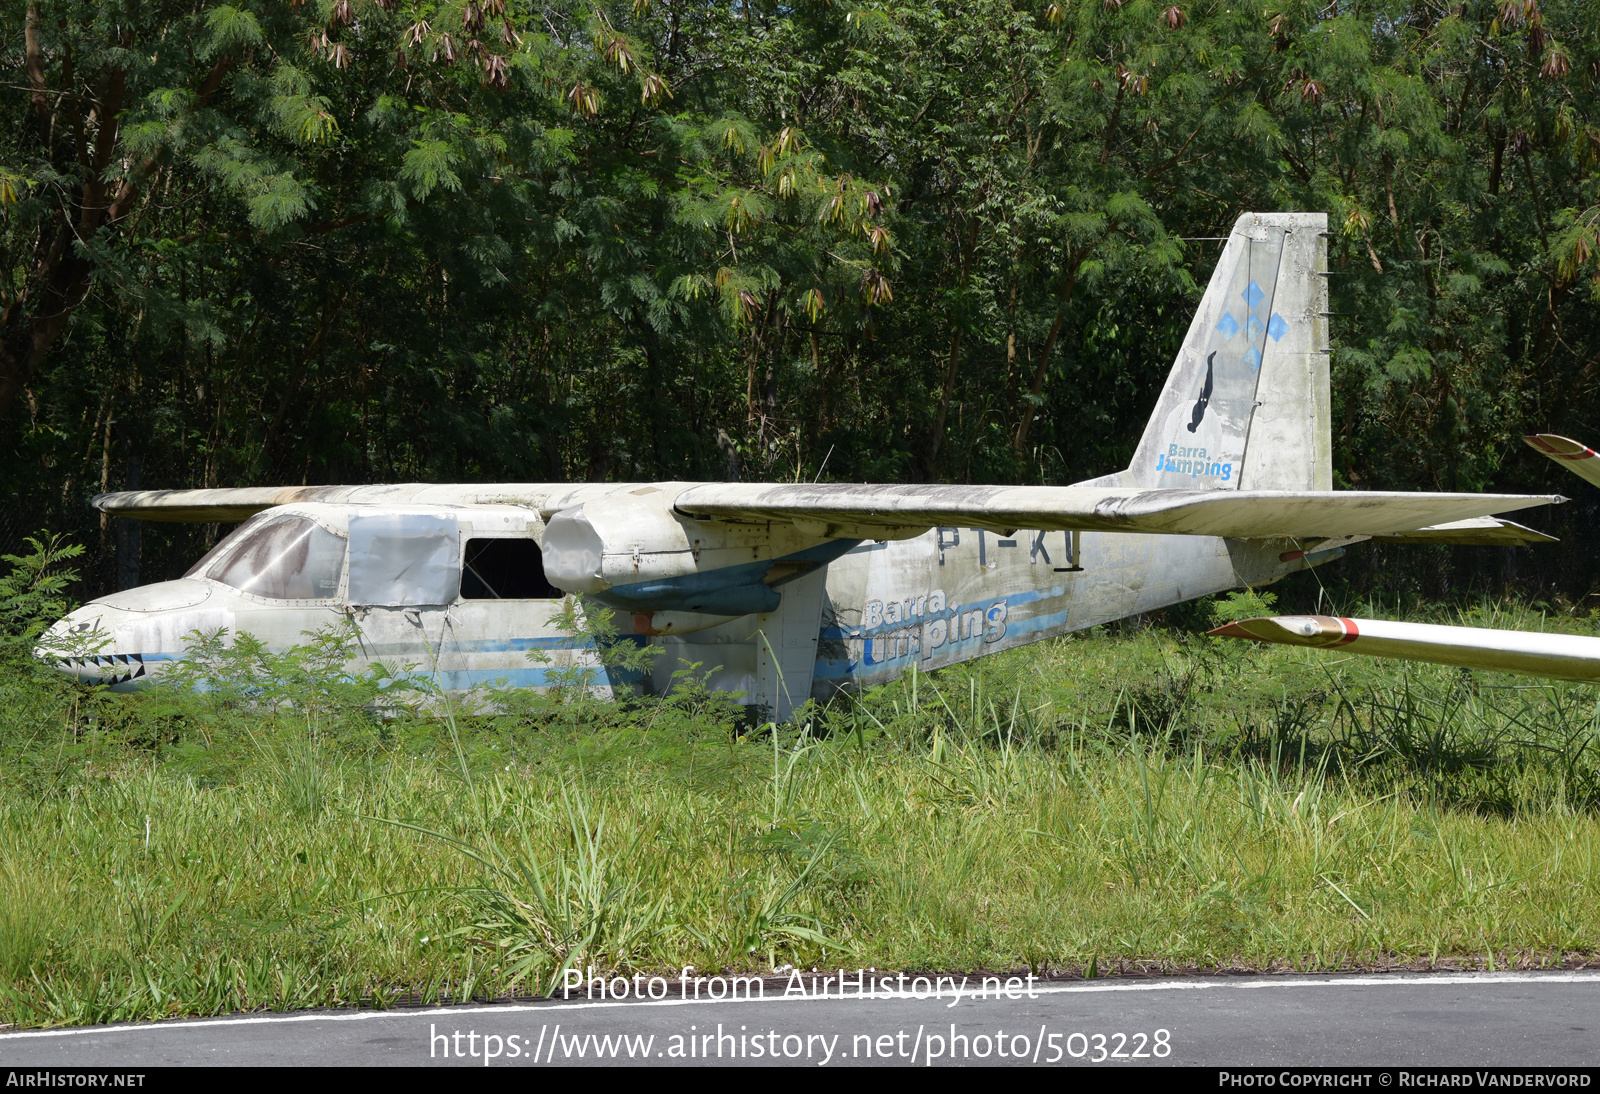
(789, 591)
(1562, 656)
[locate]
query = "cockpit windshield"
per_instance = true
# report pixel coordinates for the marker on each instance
(277, 557)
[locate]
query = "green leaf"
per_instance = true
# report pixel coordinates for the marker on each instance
(232, 29)
(429, 166)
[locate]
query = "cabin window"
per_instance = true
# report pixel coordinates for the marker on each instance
(404, 560)
(283, 558)
(505, 569)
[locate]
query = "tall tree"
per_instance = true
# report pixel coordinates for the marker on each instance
(491, 239)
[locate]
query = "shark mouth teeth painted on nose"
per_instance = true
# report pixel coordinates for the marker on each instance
(133, 663)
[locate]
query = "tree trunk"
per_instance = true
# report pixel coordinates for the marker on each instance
(1075, 259)
(28, 334)
(944, 401)
(948, 389)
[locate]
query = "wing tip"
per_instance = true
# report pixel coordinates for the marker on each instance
(1293, 630)
(1558, 447)
(1250, 629)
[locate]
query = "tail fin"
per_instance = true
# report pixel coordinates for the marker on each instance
(1246, 403)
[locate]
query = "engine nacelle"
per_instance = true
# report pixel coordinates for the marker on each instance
(616, 540)
(634, 551)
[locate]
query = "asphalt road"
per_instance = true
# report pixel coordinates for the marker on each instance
(1486, 1019)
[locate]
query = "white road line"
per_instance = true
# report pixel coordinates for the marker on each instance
(1173, 984)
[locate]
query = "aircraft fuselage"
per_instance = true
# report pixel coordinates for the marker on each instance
(862, 618)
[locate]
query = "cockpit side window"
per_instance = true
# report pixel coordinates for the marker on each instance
(287, 558)
(505, 569)
(227, 543)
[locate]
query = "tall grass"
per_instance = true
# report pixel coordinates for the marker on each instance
(1132, 797)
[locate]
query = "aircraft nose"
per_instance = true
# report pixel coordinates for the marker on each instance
(82, 646)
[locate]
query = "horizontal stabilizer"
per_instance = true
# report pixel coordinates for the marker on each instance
(1477, 532)
(843, 509)
(1563, 656)
(1578, 458)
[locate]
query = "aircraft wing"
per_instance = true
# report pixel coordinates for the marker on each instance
(1563, 656)
(227, 505)
(840, 509)
(1578, 458)
(843, 510)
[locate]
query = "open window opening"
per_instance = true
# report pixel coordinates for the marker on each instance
(505, 569)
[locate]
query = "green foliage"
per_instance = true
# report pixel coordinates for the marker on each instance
(597, 658)
(351, 243)
(238, 673)
(428, 166)
(232, 28)
(33, 594)
(1244, 604)
(581, 910)
(594, 678)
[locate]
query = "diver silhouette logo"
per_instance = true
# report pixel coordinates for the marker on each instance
(1201, 403)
